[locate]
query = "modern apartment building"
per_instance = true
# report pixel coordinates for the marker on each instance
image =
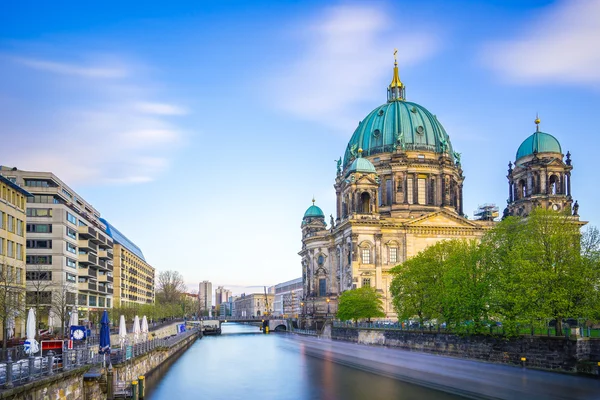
(222, 295)
(12, 256)
(205, 298)
(288, 298)
(133, 276)
(69, 257)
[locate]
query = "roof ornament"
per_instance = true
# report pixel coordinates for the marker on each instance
(396, 88)
(537, 122)
(360, 151)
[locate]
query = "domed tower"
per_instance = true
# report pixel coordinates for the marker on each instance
(540, 177)
(313, 221)
(360, 189)
(419, 171)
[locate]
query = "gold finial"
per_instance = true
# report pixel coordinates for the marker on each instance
(360, 152)
(313, 200)
(537, 122)
(395, 57)
(396, 88)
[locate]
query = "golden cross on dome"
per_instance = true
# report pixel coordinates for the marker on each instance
(395, 57)
(537, 122)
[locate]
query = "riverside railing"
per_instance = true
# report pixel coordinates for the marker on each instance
(19, 372)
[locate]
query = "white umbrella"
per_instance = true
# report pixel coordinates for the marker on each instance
(136, 328)
(74, 320)
(10, 326)
(145, 327)
(51, 320)
(31, 345)
(122, 330)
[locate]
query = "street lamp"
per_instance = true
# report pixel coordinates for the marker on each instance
(302, 305)
(328, 311)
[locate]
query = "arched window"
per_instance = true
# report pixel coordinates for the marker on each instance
(522, 189)
(553, 184)
(366, 255)
(365, 203)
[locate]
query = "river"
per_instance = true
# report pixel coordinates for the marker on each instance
(244, 363)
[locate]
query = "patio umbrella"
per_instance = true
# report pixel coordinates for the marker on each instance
(50, 320)
(104, 347)
(74, 320)
(31, 345)
(122, 330)
(10, 326)
(136, 329)
(145, 327)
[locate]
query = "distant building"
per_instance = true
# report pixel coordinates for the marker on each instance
(253, 305)
(205, 298)
(288, 296)
(222, 295)
(133, 276)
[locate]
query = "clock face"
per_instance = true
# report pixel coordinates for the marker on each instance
(556, 207)
(78, 334)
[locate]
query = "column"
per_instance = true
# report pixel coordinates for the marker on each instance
(569, 184)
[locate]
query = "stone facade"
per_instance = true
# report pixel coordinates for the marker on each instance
(555, 353)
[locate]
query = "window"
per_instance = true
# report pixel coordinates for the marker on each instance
(71, 263)
(101, 301)
(39, 228)
(39, 212)
(108, 303)
(71, 233)
(71, 248)
(92, 301)
(11, 249)
(409, 191)
(19, 227)
(19, 251)
(388, 192)
(11, 223)
(19, 275)
(366, 256)
(39, 183)
(1, 245)
(1, 220)
(39, 244)
(393, 255)
(81, 223)
(47, 199)
(366, 282)
(82, 300)
(421, 191)
(38, 259)
(38, 275)
(322, 287)
(39, 297)
(71, 278)
(66, 193)
(71, 218)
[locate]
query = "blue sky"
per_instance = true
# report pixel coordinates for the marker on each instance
(202, 130)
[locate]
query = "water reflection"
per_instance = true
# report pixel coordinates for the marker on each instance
(243, 363)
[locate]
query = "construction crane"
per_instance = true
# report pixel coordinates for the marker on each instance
(487, 212)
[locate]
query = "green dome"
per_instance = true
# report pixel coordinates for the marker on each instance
(362, 165)
(314, 212)
(398, 124)
(538, 142)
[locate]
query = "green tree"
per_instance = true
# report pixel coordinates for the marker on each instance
(363, 303)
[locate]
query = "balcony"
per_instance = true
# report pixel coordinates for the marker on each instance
(88, 272)
(86, 232)
(102, 288)
(105, 254)
(109, 291)
(87, 244)
(87, 286)
(92, 286)
(105, 278)
(87, 259)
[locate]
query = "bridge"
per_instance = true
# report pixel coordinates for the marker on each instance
(213, 324)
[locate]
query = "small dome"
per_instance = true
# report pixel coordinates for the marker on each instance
(362, 165)
(314, 212)
(538, 142)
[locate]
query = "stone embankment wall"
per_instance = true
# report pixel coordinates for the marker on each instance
(555, 353)
(159, 333)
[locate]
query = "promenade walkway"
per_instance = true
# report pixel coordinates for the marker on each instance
(463, 377)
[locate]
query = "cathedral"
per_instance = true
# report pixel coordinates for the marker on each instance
(399, 189)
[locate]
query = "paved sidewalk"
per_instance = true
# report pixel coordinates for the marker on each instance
(468, 378)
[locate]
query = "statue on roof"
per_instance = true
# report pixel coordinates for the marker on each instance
(339, 165)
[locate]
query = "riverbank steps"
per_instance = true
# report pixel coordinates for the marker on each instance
(568, 354)
(89, 382)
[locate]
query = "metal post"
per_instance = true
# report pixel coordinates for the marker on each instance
(31, 360)
(142, 386)
(9, 372)
(50, 362)
(110, 383)
(134, 390)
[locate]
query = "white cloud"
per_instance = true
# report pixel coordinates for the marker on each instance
(86, 129)
(72, 69)
(159, 108)
(348, 52)
(559, 45)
